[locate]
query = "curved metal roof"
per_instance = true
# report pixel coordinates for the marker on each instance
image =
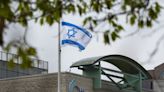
(124, 63)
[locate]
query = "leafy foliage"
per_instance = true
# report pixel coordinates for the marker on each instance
(106, 37)
(140, 12)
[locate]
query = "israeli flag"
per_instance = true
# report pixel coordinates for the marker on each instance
(75, 35)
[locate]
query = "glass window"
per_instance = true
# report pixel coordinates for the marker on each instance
(162, 75)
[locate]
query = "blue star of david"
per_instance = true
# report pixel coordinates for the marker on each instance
(71, 32)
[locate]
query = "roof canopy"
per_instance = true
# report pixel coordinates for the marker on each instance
(125, 64)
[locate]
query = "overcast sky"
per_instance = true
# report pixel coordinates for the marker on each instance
(137, 47)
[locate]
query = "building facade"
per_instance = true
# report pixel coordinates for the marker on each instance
(135, 78)
(48, 83)
(158, 72)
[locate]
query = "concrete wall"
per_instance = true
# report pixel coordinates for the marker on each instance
(82, 82)
(48, 83)
(43, 83)
(110, 87)
(158, 85)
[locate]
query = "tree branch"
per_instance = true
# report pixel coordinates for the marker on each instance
(25, 36)
(132, 33)
(153, 31)
(156, 49)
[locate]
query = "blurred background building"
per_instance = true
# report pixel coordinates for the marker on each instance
(134, 78)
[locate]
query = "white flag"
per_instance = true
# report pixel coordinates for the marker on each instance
(75, 35)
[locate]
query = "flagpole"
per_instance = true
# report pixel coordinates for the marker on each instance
(59, 59)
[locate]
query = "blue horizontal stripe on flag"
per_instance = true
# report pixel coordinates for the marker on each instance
(82, 29)
(73, 43)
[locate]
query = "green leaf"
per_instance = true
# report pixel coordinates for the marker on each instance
(23, 21)
(87, 20)
(140, 23)
(132, 19)
(108, 3)
(49, 20)
(71, 8)
(11, 63)
(119, 27)
(152, 14)
(106, 37)
(27, 63)
(114, 36)
(114, 24)
(26, 6)
(41, 21)
(20, 7)
(79, 9)
(8, 47)
(157, 7)
(20, 51)
(94, 22)
(31, 51)
(6, 12)
(57, 16)
(123, 7)
(149, 23)
(96, 7)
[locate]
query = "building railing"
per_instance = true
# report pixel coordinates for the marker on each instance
(37, 66)
(35, 62)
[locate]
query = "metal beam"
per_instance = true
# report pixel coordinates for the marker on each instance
(113, 75)
(111, 79)
(118, 72)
